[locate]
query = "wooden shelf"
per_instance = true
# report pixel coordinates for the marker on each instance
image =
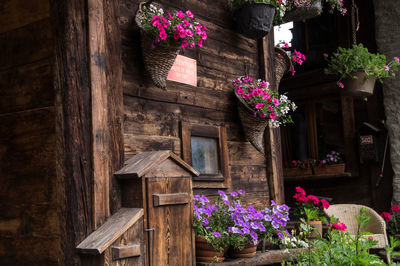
(345, 175)
(261, 258)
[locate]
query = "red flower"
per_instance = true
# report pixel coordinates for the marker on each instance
(314, 199)
(395, 208)
(386, 216)
(339, 226)
(300, 191)
(325, 204)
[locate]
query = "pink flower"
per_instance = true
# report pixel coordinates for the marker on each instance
(180, 14)
(189, 33)
(270, 108)
(324, 203)
(300, 197)
(370, 238)
(386, 216)
(240, 91)
(184, 44)
(276, 102)
(314, 199)
(191, 45)
(198, 30)
(259, 105)
(163, 35)
(176, 35)
(170, 16)
(339, 226)
(186, 23)
(204, 27)
(395, 208)
(299, 189)
(397, 59)
(340, 84)
(387, 68)
(264, 84)
(154, 19)
(326, 55)
(189, 14)
(200, 43)
(263, 115)
(204, 35)
(272, 115)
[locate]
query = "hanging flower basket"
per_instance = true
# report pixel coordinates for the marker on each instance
(253, 126)
(360, 86)
(282, 64)
(304, 13)
(254, 20)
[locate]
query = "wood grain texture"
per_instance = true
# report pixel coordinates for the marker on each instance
(112, 229)
(127, 251)
(18, 13)
(349, 135)
(170, 199)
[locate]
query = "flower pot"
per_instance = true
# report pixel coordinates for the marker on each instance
(253, 126)
(330, 169)
(317, 225)
(282, 64)
(297, 172)
(248, 252)
(157, 58)
(304, 13)
(359, 87)
(254, 20)
(206, 253)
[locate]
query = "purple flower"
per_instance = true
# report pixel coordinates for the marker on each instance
(275, 223)
(216, 234)
(254, 235)
(280, 235)
(241, 192)
(205, 222)
(223, 195)
(283, 208)
(234, 194)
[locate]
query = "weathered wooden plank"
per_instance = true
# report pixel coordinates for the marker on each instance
(170, 199)
(243, 153)
(111, 230)
(127, 251)
(33, 42)
(138, 144)
(26, 87)
(17, 13)
(248, 177)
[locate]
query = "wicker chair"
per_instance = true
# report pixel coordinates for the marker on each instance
(346, 213)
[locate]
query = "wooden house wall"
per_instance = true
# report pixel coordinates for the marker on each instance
(28, 199)
(153, 116)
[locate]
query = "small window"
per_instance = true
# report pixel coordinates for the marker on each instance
(205, 149)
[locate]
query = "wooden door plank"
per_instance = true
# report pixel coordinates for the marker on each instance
(170, 199)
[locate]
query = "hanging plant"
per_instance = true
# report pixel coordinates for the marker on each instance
(258, 106)
(358, 69)
(162, 37)
(285, 61)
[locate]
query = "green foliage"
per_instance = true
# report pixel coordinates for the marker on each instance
(347, 61)
(390, 250)
(339, 248)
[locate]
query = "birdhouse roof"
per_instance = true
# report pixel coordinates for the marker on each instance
(142, 163)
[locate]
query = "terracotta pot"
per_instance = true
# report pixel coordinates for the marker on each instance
(254, 20)
(330, 169)
(304, 13)
(248, 252)
(206, 253)
(317, 225)
(359, 87)
(297, 171)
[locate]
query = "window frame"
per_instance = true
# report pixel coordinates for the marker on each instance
(220, 180)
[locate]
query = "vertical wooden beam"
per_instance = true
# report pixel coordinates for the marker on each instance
(73, 123)
(349, 135)
(312, 136)
(272, 135)
(101, 136)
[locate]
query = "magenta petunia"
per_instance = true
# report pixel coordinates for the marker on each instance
(272, 115)
(189, 14)
(180, 14)
(340, 84)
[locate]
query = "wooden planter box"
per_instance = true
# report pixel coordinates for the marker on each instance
(330, 169)
(297, 172)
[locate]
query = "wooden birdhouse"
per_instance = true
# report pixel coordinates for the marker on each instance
(161, 183)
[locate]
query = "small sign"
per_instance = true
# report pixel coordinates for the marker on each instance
(184, 70)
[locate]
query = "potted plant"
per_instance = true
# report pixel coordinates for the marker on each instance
(250, 226)
(162, 37)
(310, 211)
(392, 219)
(359, 69)
(254, 18)
(331, 164)
(299, 10)
(285, 61)
(259, 106)
(210, 223)
(298, 168)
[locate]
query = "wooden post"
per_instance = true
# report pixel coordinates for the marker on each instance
(349, 135)
(272, 135)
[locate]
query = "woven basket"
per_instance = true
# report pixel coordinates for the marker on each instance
(157, 60)
(304, 13)
(282, 64)
(253, 127)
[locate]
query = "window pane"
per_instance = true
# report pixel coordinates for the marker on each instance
(205, 155)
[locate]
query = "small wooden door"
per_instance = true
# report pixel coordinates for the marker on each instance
(170, 214)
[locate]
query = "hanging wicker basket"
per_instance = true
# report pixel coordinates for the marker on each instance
(254, 20)
(158, 59)
(253, 126)
(359, 87)
(282, 64)
(304, 13)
